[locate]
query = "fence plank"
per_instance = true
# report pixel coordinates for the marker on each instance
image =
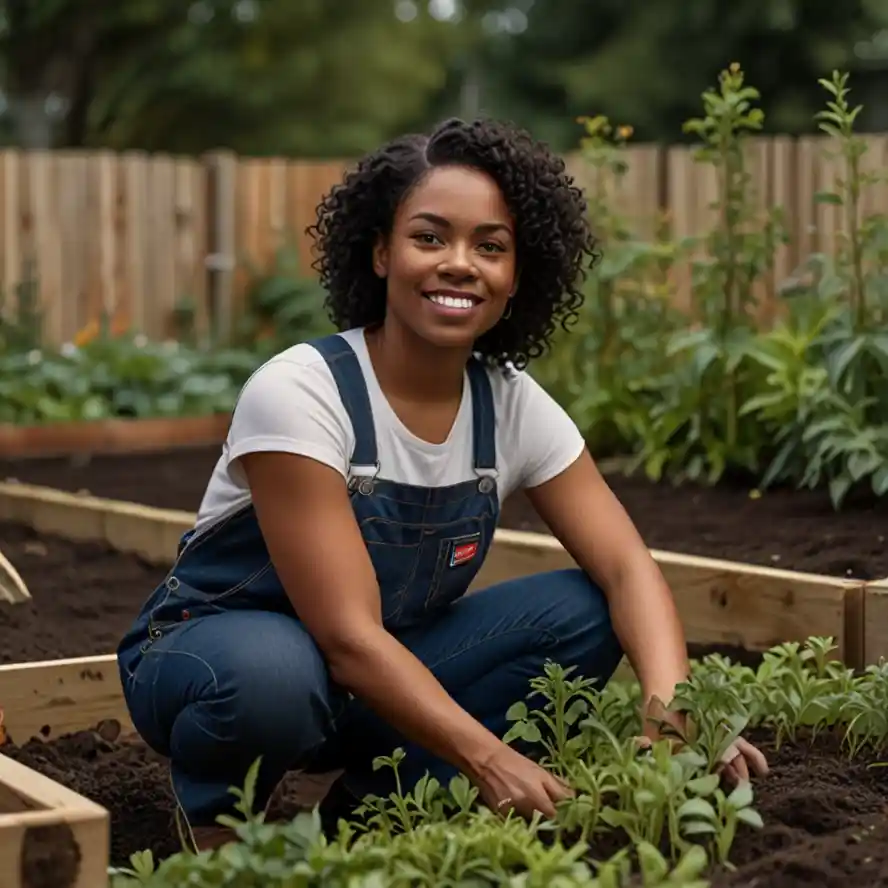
(10, 219)
(133, 234)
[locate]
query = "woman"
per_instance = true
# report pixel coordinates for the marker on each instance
(316, 615)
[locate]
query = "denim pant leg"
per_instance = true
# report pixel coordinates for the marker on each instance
(217, 692)
(484, 651)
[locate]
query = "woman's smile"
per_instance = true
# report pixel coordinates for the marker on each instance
(453, 303)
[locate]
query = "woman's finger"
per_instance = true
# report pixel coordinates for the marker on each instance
(754, 757)
(545, 805)
(557, 789)
(738, 766)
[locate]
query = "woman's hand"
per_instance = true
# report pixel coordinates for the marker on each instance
(739, 759)
(510, 781)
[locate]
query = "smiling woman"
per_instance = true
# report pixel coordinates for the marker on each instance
(316, 615)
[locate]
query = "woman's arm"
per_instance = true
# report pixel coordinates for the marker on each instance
(587, 518)
(591, 524)
(319, 554)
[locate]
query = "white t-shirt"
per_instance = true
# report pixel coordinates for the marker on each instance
(292, 404)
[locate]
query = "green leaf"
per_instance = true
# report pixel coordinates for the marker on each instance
(698, 828)
(839, 487)
(704, 785)
(517, 711)
(575, 711)
(697, 808)
(692, 864)
(880, 481)
(860, 464)
(741, 797)
(653, 865)
(842, 358)
(750, 817)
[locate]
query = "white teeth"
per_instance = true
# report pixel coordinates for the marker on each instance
(451, 301)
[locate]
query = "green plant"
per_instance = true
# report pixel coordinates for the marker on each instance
(696, 429)
(628, 304)
(800, 398)
(283, 306)
(21, 319)
(666, 804)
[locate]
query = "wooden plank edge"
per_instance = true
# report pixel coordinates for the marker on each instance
(37, 792)
(875, 622)
(49, 698)
(720, 602)
(50, 829)
(107, 437)
(146, 531)
(22, 503)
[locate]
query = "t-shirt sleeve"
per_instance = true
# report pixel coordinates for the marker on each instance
(548, 440)
(292, 407)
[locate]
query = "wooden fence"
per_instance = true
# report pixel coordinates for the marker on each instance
(135, 234)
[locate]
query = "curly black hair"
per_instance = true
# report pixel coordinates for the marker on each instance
(555, 244)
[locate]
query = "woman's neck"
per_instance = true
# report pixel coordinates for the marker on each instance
(412, 369)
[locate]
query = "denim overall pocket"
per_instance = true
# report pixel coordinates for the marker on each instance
(422, 568)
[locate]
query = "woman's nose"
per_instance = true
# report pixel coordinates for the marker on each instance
(457, 261)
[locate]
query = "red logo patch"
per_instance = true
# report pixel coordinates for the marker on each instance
(463, 552)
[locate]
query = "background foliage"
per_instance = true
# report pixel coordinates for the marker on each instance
(312, 78)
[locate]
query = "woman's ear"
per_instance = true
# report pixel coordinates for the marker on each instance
(380, 257)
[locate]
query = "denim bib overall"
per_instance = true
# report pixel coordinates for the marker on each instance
(217, 669)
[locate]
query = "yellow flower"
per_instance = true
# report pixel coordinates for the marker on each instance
(86, 334)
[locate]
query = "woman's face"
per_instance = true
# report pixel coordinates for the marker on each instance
(449, 262)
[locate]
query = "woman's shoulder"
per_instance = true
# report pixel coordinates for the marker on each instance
(512, 388)
(300, 364)
(297, 376)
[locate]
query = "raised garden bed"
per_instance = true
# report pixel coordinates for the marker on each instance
(50, 837)
(85, 592)
(110, 436)
(824, 813)
(788, 529)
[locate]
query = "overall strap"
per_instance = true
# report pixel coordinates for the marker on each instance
(483, 425)
(346, 370)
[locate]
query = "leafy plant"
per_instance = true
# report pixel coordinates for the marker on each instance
(629, 301)
(697, 430)
(665, 805)
(283, 306)
(794, 397)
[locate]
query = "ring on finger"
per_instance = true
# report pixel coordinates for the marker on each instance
(502, 804)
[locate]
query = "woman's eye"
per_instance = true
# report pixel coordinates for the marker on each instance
(491, 248)
(426, 238)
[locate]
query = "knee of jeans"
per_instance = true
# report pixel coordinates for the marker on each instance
(583, 615)
(279, 700)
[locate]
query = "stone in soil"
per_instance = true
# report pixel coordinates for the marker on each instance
(825, 822)
(794, 530)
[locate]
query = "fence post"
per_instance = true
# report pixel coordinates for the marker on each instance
(221, 259)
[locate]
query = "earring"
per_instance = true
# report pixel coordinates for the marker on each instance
(508, 312)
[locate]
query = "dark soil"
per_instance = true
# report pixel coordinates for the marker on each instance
(132, 783)
(825, 816)
(84, 597)
(825, 822)
(795, 530)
